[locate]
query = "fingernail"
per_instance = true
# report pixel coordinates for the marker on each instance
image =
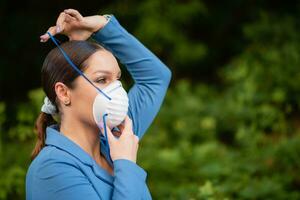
(57, 29)
(101, 125)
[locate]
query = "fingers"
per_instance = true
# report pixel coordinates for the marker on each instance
(127, 126)
(74, 13)
(69, 18)
(116, 133)
(137, 139)
(51, 30)
(127, 129)
(121, 127)
(54, 29)
(60, 22)
(64, 17)
(110, 136)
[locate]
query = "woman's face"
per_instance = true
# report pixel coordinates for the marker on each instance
(102, 69)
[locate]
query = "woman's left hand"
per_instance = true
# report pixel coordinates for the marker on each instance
(72, 24)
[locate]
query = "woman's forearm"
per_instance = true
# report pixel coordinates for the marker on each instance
(139, 60)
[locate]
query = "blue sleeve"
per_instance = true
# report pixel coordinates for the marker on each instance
(151, 76)
(130, 181)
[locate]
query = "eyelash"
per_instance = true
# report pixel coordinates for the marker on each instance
(101, 80)
(104, 79)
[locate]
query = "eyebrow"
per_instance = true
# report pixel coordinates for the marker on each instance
(106, 72)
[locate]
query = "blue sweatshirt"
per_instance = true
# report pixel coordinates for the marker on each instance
(64, 171)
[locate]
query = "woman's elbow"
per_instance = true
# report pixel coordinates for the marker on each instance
(167, 75)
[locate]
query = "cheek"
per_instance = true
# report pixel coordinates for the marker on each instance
(83, 100)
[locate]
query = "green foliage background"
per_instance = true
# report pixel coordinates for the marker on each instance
(229, 127)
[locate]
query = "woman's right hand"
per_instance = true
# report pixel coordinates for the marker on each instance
(72, 24)
(126, 146)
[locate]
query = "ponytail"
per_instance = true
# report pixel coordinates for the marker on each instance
(41, 124)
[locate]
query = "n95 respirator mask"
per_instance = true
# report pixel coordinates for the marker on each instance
(115, 108)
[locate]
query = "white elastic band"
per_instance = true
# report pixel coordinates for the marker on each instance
(48, 107)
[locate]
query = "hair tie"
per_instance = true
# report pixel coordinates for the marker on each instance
(48, 107)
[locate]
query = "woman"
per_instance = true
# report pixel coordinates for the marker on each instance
(71, 159)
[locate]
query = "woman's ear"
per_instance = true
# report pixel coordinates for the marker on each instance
(63, 93)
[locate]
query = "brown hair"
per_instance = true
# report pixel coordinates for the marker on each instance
(56, 69)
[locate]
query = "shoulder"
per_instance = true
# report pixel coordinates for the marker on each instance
(56, 174)
(52, 161)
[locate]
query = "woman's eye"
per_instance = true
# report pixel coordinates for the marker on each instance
(102, 80)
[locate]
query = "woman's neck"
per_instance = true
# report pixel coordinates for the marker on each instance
(83, 135)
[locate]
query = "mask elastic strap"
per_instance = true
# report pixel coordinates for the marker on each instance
(74, 66)
(105, 133)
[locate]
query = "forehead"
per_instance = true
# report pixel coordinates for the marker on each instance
(102, 60)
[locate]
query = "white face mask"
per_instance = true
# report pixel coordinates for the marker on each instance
(116, 108)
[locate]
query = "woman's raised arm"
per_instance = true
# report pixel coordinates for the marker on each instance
(151, 76)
